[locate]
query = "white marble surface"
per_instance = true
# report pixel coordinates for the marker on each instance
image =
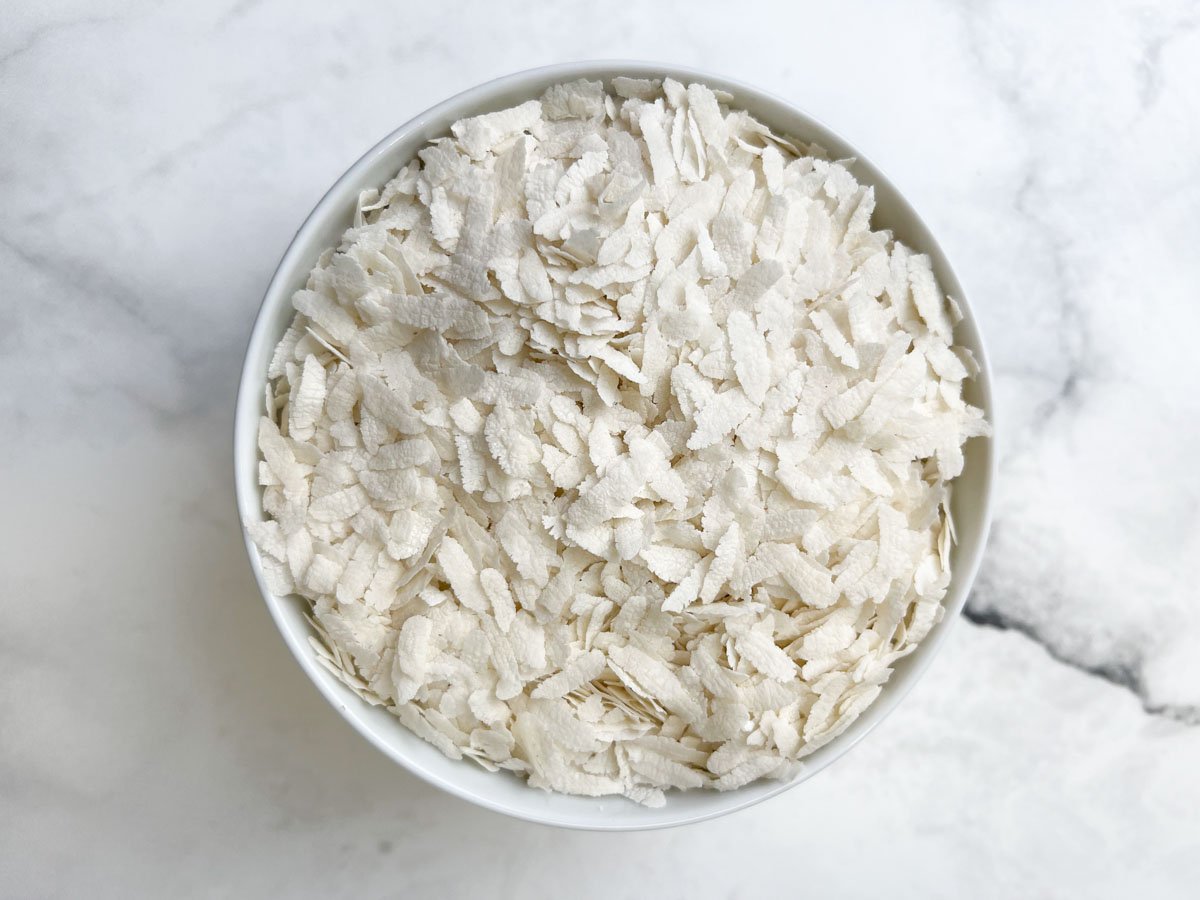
(157, 740)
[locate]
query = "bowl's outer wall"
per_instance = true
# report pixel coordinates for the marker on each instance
(500, 791)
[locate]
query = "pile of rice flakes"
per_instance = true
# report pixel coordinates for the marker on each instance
(611, 446)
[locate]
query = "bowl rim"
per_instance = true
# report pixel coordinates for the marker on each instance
(252, 381)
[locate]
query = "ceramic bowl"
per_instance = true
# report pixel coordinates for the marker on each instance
(504, 792)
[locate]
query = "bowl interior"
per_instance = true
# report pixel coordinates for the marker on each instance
(501, 791)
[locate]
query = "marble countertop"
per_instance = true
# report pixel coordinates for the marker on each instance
(157, 740)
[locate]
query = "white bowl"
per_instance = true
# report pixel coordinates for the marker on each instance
(503, 792)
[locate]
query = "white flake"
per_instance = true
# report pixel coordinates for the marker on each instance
(495, 586)
(577, 673)
(481, 133)
(748, 347)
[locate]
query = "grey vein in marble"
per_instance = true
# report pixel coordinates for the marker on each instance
(1124, 673)
(33, 39)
